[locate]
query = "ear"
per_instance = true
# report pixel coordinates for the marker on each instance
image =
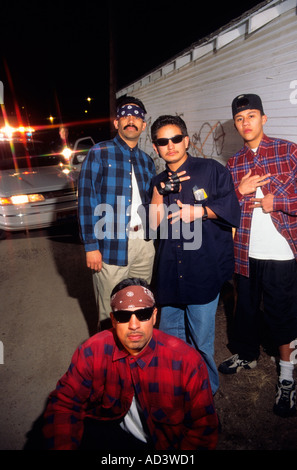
(116, 124)
(143, 126)
(264, 119)
(155, 148)
(112, 320)
(155, 315)
(187, 141)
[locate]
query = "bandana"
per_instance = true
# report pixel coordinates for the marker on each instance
(132, 297)
(130, 110)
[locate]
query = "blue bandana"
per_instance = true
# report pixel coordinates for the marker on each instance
(130, 110)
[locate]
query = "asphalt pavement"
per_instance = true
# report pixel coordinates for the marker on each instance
(47, 309)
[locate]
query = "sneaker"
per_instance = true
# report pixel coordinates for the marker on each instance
(235, 364)
(285, 399)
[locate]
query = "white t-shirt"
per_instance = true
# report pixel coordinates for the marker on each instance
(131, 422)
(265, 240)
(136, 202)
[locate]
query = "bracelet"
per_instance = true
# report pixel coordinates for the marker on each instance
(205, 215)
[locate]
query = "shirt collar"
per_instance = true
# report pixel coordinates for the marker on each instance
(121, 143)
(143, 359)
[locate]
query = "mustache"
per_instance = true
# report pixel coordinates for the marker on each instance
(131, 125)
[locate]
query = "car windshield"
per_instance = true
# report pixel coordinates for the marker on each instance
(26, 155)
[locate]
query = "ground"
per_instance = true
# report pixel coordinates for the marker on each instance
(245, 400)
(52, 310)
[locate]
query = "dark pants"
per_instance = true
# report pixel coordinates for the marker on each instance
(108, 435)
(273, 286)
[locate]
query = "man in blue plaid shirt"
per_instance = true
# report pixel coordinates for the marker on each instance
(114, 181)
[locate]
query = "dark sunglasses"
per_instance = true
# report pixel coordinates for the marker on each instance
(143, 314)
(164, 141)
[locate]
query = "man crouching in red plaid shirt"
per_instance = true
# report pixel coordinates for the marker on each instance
(132, 387)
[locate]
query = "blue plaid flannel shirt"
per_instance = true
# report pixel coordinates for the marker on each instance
(105, 194)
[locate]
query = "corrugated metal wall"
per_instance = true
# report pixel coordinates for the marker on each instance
(256, 55)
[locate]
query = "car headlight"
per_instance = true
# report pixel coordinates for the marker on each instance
(67, 152)
(21, 199)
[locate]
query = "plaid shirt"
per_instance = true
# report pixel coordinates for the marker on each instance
(278, 157)
(105, 189)
(170, 380)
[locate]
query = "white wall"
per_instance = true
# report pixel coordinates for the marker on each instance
(256, 54)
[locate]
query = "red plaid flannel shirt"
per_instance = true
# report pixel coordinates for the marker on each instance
(169, 377)
(278, 157)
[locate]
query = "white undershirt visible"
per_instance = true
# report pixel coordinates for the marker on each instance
(265, 240)
(136, 202)
(135, 219)
(132, 423)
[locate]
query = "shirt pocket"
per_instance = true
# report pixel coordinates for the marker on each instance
(283, 184)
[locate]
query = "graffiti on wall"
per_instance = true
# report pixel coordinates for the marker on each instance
(207, 142)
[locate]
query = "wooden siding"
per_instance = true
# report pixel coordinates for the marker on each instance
(201, 84)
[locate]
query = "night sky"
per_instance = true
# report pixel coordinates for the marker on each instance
(55, 55)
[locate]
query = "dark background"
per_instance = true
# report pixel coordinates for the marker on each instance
(55, 55)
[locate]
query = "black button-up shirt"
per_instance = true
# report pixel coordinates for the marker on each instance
(195, 276)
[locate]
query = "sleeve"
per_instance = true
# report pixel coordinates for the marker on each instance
(285, 192)
(201, 421)
(89, 197)
(225, 203)
(65, 411)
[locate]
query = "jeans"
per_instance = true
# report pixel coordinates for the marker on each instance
(195, 324)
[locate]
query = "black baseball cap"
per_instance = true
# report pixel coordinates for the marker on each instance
(249, 101)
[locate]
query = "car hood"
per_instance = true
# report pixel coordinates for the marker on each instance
(37, 180)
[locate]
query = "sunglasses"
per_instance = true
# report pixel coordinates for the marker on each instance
(164, 141)
(143, 314)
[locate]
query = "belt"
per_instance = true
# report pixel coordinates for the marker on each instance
(135, 228)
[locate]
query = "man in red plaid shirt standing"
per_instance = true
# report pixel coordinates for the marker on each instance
(264, 172)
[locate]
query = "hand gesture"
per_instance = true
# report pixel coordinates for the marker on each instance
(187, 213)
(266, 203)
(172, 184)
(249, 184)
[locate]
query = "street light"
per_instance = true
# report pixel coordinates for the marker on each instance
(51, 119)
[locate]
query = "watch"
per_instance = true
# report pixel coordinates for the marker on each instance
(205, 215)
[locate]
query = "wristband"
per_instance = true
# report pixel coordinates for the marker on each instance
(205, 215)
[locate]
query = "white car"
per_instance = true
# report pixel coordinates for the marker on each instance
(37, 188)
